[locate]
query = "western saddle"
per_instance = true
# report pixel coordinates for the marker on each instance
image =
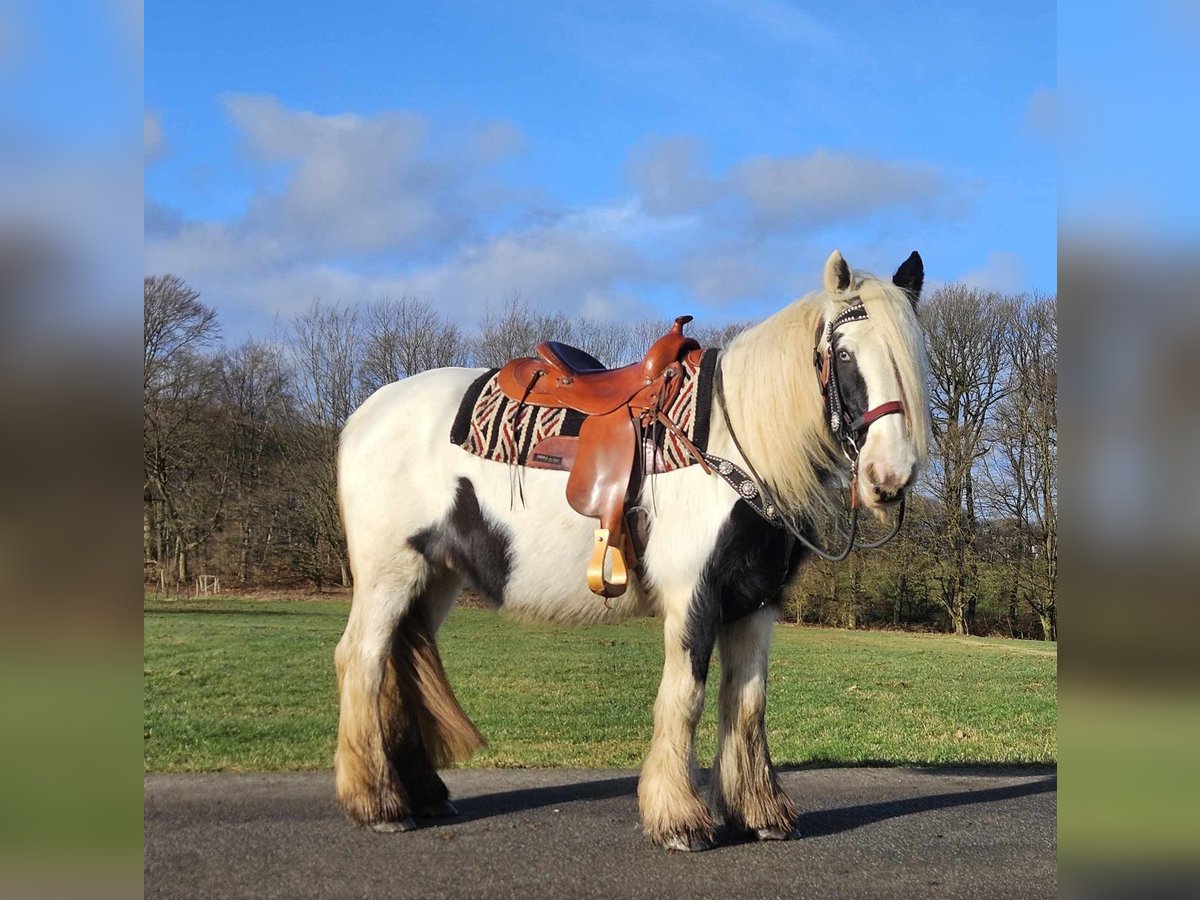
(604, 459)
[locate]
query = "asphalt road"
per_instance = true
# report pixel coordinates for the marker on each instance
(559, 833)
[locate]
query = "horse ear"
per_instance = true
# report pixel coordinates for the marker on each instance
(910, 276)
(837, 273)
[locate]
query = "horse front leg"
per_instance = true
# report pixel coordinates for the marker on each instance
(746, 789)
(673, 814)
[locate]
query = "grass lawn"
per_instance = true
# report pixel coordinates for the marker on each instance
(248, 685)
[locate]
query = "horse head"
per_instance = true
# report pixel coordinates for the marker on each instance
(871, 365)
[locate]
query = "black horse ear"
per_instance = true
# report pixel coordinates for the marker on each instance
(910, 276)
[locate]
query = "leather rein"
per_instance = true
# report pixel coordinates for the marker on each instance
(850, 432)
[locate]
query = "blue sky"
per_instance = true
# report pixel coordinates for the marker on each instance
(616, 159)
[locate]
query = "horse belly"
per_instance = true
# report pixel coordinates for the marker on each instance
(400, 478)
(550, 546)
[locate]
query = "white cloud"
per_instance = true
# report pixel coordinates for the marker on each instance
(498, 140)
(1003, 272)
(773, 195)
(824, 188)
(1041, 114)
(356, 207)
(778, 20)
(551, 267)
(153, 143)
(670, 176)
(721, 274)
(364, 185)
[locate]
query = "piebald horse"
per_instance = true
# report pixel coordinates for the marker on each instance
(423, 517)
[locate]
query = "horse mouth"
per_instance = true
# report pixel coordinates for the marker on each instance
(887, 501)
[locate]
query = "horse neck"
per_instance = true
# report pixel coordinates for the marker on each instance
(776, 408)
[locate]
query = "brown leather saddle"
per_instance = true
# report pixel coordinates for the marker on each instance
(604, 460)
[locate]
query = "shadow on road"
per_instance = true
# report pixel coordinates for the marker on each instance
(835, 821)
(819, 823)
(505, 802)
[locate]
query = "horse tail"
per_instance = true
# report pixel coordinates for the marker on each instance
(447, 733)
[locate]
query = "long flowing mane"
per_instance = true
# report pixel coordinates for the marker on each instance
(775, 402)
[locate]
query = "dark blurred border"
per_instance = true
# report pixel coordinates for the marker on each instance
(1129, 821)
(70, 261)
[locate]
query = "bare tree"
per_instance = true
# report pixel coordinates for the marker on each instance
(515, 330)
(183, 481)
(1024, 472)
(610, 342)
(240, 447)
(967, 332)
(404, 337)
(175, 322)
(325, 349)
(254, 399)
(720, 335)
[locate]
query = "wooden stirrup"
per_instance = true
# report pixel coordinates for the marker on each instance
(597, 583)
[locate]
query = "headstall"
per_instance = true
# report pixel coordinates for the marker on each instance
(849, 427)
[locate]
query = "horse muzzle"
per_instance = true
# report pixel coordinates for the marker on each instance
(884, 487)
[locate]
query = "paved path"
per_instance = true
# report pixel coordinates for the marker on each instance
(560, 833)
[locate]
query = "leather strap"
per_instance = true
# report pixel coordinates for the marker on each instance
(883, 409)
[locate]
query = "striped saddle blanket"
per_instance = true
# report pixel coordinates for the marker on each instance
(491, 425)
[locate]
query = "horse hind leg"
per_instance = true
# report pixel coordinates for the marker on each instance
(746, 790)
(425, 728)
(368, 787)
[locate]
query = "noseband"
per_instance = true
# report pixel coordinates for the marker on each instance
(849, 427)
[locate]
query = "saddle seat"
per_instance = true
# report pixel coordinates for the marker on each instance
(565, 377)
(603, 460)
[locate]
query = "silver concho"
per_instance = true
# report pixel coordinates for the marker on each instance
(748, 489)
(725, 467)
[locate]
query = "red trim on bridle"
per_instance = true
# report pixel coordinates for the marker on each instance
(883, 409)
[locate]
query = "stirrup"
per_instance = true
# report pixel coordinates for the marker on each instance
(595, 571)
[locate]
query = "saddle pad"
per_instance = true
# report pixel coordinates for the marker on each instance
(491, 425)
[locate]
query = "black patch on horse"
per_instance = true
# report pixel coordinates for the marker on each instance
(470, 544)
(747, 569)
(850, 382)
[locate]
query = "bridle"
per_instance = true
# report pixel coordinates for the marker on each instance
(851, 432)
(849, 428)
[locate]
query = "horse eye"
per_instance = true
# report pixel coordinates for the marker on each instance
(844, 355)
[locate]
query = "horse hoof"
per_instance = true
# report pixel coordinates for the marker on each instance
(777, 834)
(392, 827)
(688, 843)
(439, 810)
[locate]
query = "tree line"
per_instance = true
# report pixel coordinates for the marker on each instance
(240, 440)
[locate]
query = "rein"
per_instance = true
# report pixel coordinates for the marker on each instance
(850, 432)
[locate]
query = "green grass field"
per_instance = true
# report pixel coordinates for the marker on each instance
(248, 685)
